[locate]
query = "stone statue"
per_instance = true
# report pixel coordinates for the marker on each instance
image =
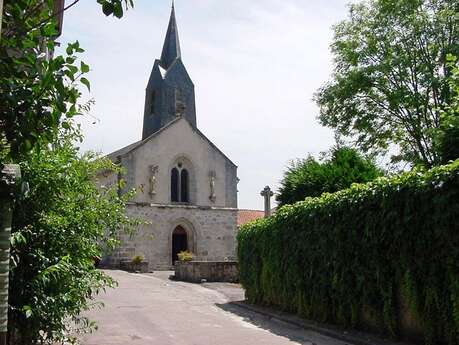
(212, 178)
(152, 180)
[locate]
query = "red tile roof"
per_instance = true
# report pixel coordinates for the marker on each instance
(245, 216)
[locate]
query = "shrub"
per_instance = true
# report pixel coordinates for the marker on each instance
(58, 229)
(363, 249)
(309, 177)
(137, 259)
(185, 256)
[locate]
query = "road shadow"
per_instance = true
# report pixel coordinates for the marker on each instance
(274, 326)
(316, 333)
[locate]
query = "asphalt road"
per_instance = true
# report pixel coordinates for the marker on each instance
(149, 309)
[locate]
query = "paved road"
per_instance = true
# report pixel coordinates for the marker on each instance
(151, 310)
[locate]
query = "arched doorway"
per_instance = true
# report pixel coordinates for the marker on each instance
(179, 242)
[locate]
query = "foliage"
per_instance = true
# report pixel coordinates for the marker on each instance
(309, 177)
(59, 227)
(64, 223)
(185, 256)
(38, 92)
(137, 259)
(448, 133)
(115, 7)
(390, 81)
(361, 251)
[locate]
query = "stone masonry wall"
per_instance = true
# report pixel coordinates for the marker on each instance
(196, 271)
(211, 234)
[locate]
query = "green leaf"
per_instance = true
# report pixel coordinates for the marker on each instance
(84, 67)
(69, 49)
(118, 9)
(73, 69)
(86, 83)
(28, 311)
(107, 8)
(28, 144)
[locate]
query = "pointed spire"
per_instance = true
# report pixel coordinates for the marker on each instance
(171, 48)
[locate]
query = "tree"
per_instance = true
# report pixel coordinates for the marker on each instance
(309, 177)
(389, 84)
(64, 222)
(38, 92)
(59, 228)
(447, 139)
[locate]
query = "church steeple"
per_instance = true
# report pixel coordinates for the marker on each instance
(171, 47)
(170, 90)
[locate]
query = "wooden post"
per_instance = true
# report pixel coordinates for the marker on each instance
(8, 178)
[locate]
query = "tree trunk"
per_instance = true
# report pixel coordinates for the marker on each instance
(8, 177)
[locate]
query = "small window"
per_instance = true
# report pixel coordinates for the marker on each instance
(175, 185)
(153, 103)
(184, 186)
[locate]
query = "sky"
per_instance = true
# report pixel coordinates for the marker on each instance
(255, 65)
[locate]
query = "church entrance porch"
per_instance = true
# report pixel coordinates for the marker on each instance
(179, 242)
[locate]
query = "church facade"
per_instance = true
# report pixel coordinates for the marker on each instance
(186, 187)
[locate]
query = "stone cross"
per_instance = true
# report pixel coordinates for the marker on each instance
(267, 194)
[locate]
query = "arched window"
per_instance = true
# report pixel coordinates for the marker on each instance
(184, 186)
(174, 185)
(180, 183)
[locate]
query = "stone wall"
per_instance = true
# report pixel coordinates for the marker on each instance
(178, 141)
(196, 271)
(211, 234)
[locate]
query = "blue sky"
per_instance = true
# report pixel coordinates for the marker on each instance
(255, 65)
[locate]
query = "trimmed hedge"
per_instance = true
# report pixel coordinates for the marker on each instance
(371, 255)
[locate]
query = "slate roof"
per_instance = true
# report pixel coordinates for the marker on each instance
(171, 48)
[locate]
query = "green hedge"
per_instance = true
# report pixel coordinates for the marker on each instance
(352, 257)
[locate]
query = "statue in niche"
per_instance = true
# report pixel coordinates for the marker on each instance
(152, 180)
(212, 178)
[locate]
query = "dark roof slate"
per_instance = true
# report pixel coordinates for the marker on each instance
(171, 47)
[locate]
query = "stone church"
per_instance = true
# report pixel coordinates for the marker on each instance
(186, 187)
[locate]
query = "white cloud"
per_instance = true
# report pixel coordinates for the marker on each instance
(255, 66)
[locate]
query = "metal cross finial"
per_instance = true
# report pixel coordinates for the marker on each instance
(267, 194)
(172, 4)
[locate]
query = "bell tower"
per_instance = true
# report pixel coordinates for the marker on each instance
(170, 90)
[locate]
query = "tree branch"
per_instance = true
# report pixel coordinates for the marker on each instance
(54, 14)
